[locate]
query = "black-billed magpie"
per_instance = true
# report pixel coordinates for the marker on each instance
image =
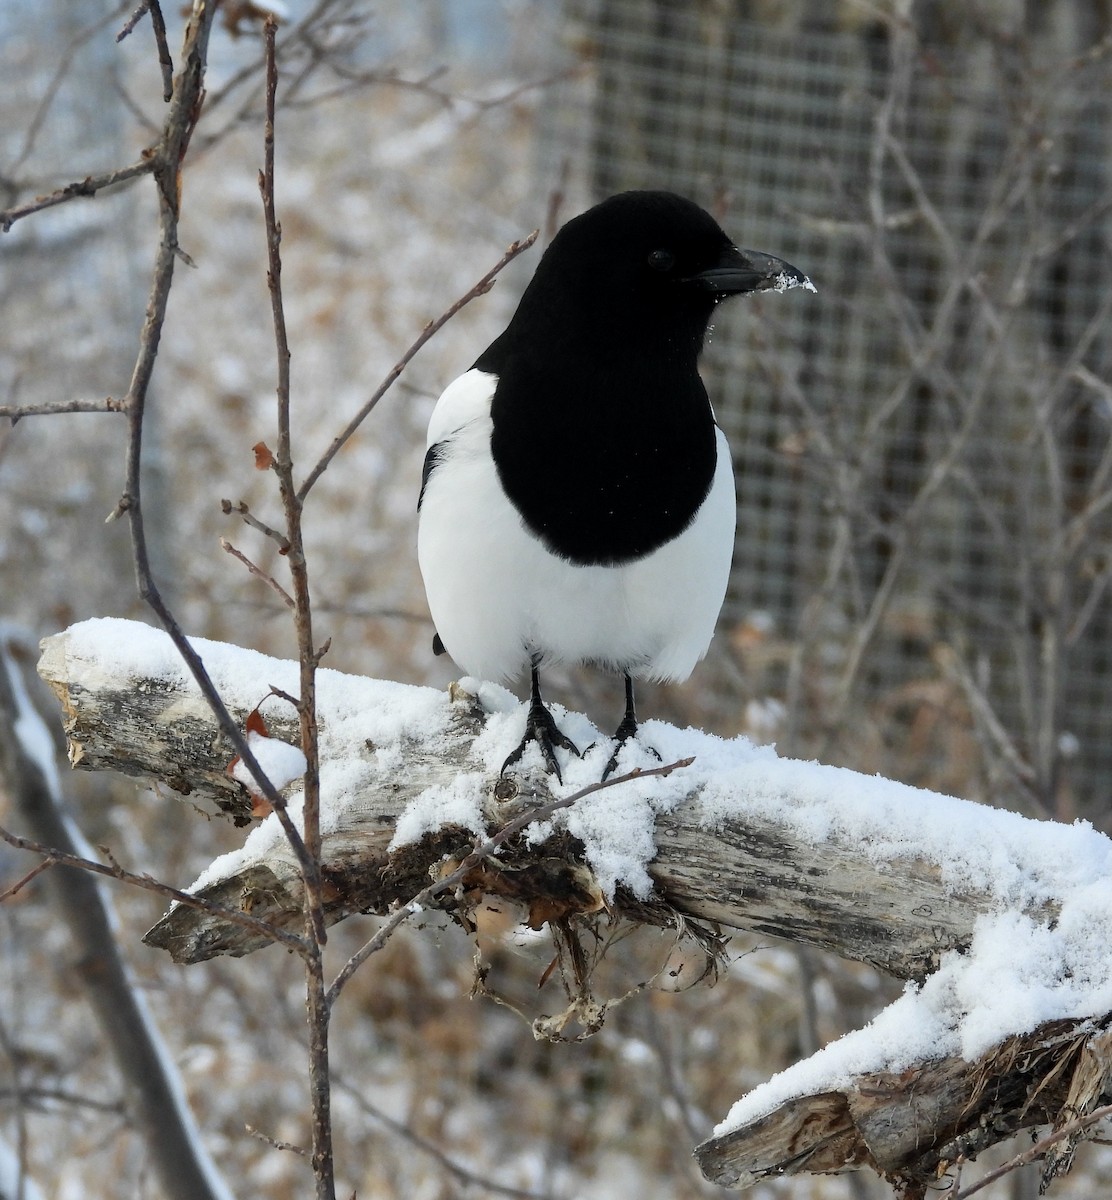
(577, 500)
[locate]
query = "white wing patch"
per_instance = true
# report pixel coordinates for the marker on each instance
(464, 400)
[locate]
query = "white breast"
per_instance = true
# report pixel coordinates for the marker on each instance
(498, 596)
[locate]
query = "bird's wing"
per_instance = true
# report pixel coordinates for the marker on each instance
(461, 402)
(464, 400)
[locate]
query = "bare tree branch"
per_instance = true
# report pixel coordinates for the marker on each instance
(1036, 1151)
(54, 856)
(478, 289)
(445, 1161)
(16, 412)
(166, 161)
(64, 63)
(89, 186)
(249, 518)
(258, 572)
(318, 1001)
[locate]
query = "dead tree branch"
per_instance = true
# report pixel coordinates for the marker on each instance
(913, 1126)
(754, 871)
(755, 874)
(81, 188)
(16, 412)
(318, 1002)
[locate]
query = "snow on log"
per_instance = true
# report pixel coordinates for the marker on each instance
(912, 1125)
(872, 870)
(1001, 922)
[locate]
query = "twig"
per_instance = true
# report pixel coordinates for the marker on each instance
(165, 62)
(16, 412)
(259, 573)
(249, 518)
(38, 1096)
(1037, 1150)
(291, 503)
(166, 161)
(992, 729)
(479, 289)
(130, 24)
(89, 186)
(60, 858)
(274, 1143)
(158, 25)
(481, 852)
(449, 1164)
(923, 346)
(19, 1094)
(19, 884)
(63, 66)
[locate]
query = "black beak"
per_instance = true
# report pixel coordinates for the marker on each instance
(740, 271)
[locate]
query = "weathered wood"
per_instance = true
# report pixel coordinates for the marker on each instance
(755, 874)
(763, 878)
(163, 731)
(912, 1126)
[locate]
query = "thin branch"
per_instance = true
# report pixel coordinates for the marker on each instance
(38, 1097)
(132, 21)
(20, 884)
(16, 412)
(166, 162)
(283, 467)
(479, 289)
(60, 858)
(1089, 606)
(158, 25)
(89, 186)
(249, 518)
(64, 63)
(132, 106)
(259, 573)
(274, 1143)
(20, 1096)
(482, 851)
(1037, 1150)
(993, 731)
(165, 62)
(317, 999)
(449, 1164)
(923, 346)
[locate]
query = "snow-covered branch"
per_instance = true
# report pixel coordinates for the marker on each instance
(869, 869)
(1002, 922)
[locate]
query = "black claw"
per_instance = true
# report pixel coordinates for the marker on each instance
(541, 727)
(626, 730)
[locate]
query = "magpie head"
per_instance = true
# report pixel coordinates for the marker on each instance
(650, 263)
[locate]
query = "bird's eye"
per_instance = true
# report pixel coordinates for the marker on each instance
(662, 260)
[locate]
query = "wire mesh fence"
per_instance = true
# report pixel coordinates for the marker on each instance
(922, 450)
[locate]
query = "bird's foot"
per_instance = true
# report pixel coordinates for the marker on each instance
(626, 730)
(541, 727)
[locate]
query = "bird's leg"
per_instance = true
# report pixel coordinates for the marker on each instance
(541, 727)
(626, 730)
